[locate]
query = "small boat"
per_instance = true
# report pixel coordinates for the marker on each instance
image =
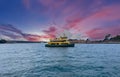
(60, 42)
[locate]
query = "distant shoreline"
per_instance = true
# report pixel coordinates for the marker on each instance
(75, 43)
(14, 42)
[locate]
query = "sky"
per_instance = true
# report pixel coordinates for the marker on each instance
(38, 20)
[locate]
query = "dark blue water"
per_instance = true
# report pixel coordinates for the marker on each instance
(83, 60)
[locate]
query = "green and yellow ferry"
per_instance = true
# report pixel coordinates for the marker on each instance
(59, 42)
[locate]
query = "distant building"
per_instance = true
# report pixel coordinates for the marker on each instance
(77, 41)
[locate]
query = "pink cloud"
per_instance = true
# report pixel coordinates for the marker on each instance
(109, 13)
(72, 24)
(100, 33)
(76, 19)
(32, 37)
(96, 33)
(106, 14)
(52, 31)
(14, 33)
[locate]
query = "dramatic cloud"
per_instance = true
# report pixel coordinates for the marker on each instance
(16, 34)
(52, 31)
(92, 18)
(95, 21)
(100, 33)
(9, 27)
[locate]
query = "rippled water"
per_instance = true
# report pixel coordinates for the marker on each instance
(83, 60)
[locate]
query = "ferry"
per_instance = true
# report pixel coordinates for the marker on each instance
(60, 42)
(2, 41)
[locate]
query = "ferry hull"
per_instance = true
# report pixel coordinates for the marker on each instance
(69, 45)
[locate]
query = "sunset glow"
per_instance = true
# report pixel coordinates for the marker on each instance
(20, 19)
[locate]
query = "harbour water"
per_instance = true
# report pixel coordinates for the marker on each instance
(36, 60)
